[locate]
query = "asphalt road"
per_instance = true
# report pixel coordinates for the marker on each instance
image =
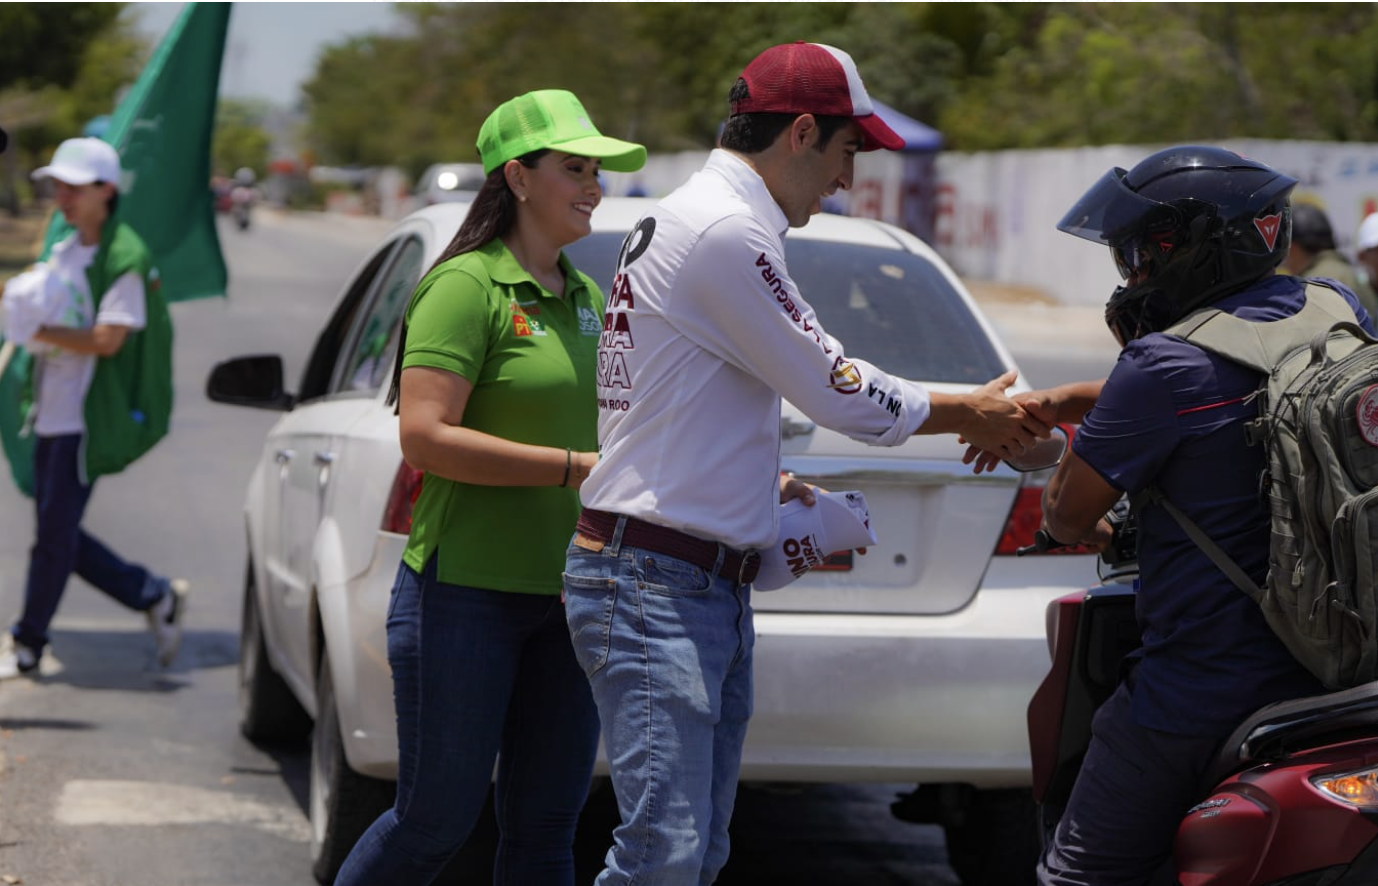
(114, 773)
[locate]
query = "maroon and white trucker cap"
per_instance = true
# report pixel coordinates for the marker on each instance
(811, 78)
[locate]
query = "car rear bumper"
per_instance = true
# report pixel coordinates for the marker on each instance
(905, 698)
(838, 697)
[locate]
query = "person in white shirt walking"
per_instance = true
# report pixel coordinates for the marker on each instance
(704, 333)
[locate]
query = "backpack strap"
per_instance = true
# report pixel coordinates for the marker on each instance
(1232, 570)
(1261, 346)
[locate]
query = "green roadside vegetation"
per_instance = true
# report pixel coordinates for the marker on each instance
(989, 76)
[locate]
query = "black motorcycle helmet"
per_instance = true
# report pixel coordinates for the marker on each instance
(1196, 222)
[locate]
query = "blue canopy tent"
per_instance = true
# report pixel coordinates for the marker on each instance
(917, 136)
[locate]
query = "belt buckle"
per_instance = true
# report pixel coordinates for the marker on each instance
(742, 567)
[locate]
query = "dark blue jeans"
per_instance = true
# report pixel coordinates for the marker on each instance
(479, 675)
(61, 547)
(1135, 786)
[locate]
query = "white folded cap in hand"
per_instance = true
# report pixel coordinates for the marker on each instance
(838, 521)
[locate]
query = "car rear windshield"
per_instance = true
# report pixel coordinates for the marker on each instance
(890, 307)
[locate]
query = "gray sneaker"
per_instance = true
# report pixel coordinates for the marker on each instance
(16, 659)
(165, 619)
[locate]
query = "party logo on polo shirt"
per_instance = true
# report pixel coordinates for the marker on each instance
(525, 324)
(589, 323)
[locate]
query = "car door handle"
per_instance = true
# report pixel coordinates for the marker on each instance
(324, 459)
(789, 427)
(283, 456)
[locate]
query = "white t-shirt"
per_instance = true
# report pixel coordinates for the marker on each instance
(62, 377)
(704, 332)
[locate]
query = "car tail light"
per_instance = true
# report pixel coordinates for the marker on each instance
(406, 486)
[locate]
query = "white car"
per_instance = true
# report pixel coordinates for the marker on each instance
(913, 663)
(450, 183)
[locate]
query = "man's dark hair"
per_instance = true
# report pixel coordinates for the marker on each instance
(1311, 229)
(753, 133)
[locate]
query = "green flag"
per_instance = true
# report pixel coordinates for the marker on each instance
(162, 131)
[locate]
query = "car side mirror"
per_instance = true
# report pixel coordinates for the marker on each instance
(1043, 454)
(250, 381)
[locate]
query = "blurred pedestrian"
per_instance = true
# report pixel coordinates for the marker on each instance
(1314, 254)
(705, 331)
(1366, 248)
(98, 327)
(495, 387)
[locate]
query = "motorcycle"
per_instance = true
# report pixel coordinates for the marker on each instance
(1293, 797)
(241, 203)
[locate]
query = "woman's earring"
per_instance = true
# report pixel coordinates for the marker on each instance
(521, 198)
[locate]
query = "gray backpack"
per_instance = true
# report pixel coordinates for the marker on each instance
(1318, 424)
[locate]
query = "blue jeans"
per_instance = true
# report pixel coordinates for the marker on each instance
(1135, 786)
(61, 547)
(667, 648)
(480, 675)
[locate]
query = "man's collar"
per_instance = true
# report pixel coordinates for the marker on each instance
(748, 182)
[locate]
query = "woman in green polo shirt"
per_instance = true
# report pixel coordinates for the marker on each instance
(497, 405)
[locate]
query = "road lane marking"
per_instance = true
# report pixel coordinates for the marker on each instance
(112, 802)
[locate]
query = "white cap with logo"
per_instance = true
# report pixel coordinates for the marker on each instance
(837, 521)
(82, 161)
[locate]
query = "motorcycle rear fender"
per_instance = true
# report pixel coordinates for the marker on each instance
(1269, 824)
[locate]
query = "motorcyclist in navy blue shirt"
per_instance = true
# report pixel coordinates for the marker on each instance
(1190, 226)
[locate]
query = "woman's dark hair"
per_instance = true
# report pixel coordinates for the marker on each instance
(490, 216)
(753, 133)
(492, 213)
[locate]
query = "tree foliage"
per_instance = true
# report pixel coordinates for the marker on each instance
(45, 43)
(1102, 73)
(61, 65)
(240, 139)
(989, 75)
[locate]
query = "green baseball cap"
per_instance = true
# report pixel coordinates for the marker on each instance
(554, 119)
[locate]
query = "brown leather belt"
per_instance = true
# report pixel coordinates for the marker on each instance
(717, 559)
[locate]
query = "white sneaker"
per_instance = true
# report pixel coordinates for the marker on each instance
(165, 620)
(16, 659)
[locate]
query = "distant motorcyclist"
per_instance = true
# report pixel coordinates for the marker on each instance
(243, 196)
(1187, 227)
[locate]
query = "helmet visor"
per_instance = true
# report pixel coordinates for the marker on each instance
(1141, 251)
(1109, 212)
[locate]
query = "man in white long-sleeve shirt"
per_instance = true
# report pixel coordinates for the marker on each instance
(704, 333)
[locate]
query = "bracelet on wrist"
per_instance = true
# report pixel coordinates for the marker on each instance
(569, 457)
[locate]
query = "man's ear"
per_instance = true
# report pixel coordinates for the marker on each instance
(803, 132)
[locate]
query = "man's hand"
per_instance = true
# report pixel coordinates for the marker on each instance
(986, 418)
(792, 488)
(1067, 403)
